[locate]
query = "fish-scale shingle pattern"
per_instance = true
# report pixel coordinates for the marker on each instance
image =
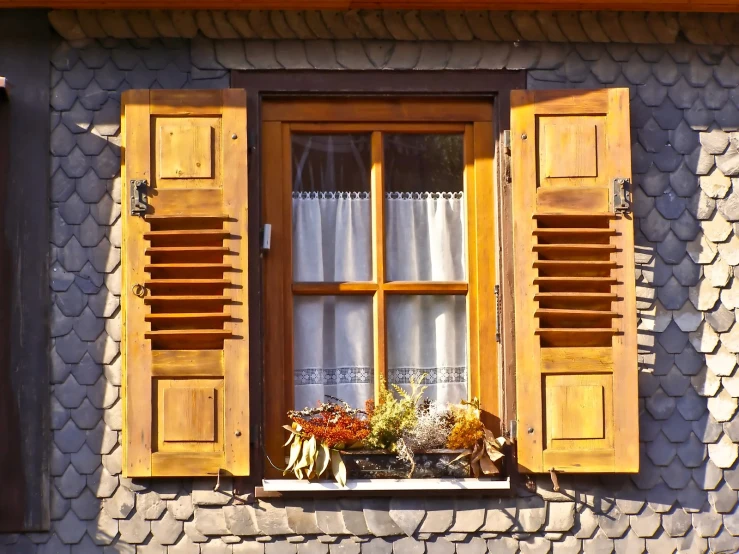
(684, 113)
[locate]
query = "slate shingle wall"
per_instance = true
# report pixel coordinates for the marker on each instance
(685, 132)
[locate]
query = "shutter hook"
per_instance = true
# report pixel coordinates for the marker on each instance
(139, 290)
(555, 481)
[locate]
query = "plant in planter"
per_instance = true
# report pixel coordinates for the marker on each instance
(394, 416)
(403, 436)
(317, 436)
(478, 442)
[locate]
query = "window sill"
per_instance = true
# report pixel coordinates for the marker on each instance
(444, 484)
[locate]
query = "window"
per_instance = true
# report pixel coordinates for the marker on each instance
(388, 238)
(377, 272)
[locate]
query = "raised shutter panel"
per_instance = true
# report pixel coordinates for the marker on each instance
(576, 353)
(185, 303)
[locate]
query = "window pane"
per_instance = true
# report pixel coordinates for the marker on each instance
(428, 334)
(331, 207)
(424, 216)
(333, 349)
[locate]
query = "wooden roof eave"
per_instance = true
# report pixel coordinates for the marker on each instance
(520, 5)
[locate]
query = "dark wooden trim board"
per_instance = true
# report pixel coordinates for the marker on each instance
(597, 5)
(25, 436)
(269, 84)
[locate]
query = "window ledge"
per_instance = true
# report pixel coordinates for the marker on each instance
(389, 485)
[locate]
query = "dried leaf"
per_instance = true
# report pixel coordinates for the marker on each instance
(492, 451)
(477, 453)
(312, 453)
(487, 466)
(475, 465)
(303, 461)
(289, 440)
(495, 455)
(338, 468)
(322, 459)
(294, 453)
(462, 455)
(289, 428)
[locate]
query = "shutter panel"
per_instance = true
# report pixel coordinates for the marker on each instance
(185, 342)
(576, 358)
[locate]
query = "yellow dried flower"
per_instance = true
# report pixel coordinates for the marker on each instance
(468, 429)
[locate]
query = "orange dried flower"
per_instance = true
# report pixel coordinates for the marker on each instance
(333, 424)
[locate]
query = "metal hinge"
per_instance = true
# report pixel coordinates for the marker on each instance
(498, 312)
(507, 154)
(513, 430)
(621, 194)
(139, 196)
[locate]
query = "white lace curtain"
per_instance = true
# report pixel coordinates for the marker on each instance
(333, 345)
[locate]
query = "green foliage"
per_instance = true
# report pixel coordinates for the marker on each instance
(394, 415)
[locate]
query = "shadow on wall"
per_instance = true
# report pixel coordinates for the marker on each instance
(674, 423)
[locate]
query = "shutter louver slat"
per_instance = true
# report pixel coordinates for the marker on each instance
(575, 302)
(185, 341)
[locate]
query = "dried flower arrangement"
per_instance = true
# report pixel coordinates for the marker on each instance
(318, 434)
(402, 423)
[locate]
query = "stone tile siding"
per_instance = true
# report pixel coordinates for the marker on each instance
(685, 133)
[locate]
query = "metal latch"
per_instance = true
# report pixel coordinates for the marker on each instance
(621, 194)
(265, 237)
(513, 429)
(139, 196)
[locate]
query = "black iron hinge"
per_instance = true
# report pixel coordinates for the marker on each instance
(139, 196)
(498, 312)
(507, 157)
(621, 194)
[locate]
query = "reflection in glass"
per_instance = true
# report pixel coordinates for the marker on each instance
(333, 352)
(331, 207)
(424, 221)
(428, 334)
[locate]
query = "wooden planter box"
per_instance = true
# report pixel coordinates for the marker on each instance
(378, 464)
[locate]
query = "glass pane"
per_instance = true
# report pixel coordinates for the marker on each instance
(428, 334)
(333, 352)
(331, 207)
(424, 216)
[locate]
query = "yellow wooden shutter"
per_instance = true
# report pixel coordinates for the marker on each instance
(576, 359)
(185, 301)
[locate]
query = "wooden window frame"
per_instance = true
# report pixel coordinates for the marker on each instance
(263, 85)
(473, 119)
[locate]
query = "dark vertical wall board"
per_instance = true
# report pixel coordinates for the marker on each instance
(25, 436)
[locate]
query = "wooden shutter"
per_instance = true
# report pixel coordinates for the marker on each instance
(185, 339)
(576, 362)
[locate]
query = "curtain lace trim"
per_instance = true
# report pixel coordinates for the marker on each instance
(336, 195)
(334, 376)
(434, 375)
(398, 375)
